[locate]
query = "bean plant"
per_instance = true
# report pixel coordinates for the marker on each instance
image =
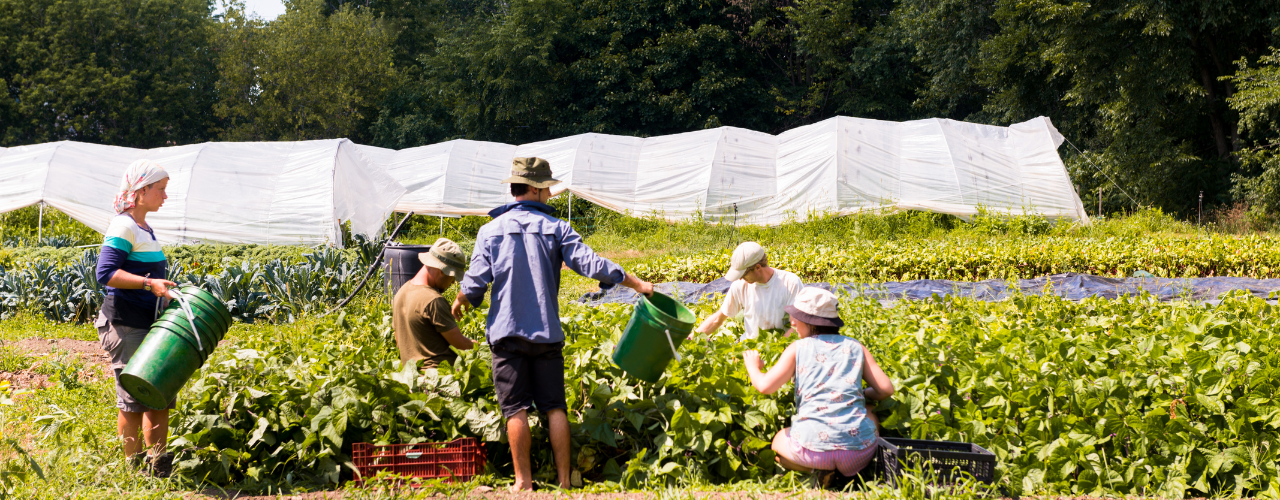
(1162, 255)
(1098, 397)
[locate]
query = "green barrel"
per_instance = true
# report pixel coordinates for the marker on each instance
(172, 352)
(645, 347)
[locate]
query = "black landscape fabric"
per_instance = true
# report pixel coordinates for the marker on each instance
(1072, 286)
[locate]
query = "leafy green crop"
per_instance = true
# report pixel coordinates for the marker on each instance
(964, 259)
(279, 290)
(1100, 396)
(1095, 397)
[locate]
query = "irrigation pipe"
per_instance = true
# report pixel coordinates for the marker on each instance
(374, 267)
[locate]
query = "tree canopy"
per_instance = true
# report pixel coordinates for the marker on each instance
(1166, 98)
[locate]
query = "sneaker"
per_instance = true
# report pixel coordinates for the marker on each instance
(160, 465)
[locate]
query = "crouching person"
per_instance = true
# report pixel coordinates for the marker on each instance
(423, 320)
(832, 429)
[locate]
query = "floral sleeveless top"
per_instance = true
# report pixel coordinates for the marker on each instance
(831, 412)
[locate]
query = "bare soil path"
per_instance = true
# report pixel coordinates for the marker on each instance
(45, 352)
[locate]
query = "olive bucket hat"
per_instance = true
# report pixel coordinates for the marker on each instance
(535, 172)
(446, 256)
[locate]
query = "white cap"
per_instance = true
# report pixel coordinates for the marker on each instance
(816, 306)
(745, 256)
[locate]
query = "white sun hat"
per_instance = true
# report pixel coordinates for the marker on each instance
(745, 256)
(816, 306)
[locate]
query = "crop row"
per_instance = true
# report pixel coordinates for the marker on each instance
(275, 290)
(974, 259)
(1096, 397)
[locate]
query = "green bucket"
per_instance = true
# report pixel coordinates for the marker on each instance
(171, 353)
(657, 327)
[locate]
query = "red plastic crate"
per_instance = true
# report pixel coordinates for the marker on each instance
(459, 460)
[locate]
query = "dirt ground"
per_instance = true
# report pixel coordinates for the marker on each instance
(45, 351)
(89, 352)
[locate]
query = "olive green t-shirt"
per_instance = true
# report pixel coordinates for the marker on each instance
(420, 315)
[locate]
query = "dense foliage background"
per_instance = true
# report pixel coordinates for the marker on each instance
(1168, 98)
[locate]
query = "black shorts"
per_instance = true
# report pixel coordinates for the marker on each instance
(528, 375)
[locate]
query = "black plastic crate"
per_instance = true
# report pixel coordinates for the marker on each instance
(948, 459)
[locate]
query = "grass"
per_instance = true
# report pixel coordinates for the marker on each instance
(14, 360)
(27, 324)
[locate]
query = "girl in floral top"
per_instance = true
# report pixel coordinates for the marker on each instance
(832, 429)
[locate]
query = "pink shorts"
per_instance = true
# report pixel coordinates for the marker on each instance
(848, 462)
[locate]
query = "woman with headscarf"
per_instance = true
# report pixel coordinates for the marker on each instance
(131, 265)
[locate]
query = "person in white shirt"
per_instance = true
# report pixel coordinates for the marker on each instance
(759, 293)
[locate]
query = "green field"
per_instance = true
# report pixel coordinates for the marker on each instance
(1098, 398)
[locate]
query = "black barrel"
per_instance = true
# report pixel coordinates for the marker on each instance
(401, 263)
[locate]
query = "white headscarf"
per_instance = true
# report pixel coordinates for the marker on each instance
(140, 174)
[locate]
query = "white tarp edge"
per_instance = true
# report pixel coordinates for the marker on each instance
(260, 192)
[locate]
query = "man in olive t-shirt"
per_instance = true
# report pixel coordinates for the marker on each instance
(424, 325)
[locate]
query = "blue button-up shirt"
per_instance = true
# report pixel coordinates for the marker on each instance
(521, 251)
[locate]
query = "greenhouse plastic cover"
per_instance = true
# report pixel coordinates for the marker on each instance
(299, 192)
(1072, 286)
(255, 192)
(459, 177)
(838, 166)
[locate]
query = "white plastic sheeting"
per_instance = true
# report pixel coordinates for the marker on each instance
(297, 192)
(259, 192)
(459, 177)
(843, 165)
(838, 166)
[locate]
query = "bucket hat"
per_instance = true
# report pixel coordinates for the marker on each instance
(533, 171)
(745, 256)
(816, 306)
(446, 256)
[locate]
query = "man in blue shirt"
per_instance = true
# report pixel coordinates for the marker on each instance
(521, 252)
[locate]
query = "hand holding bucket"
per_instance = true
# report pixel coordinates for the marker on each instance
(178, 344)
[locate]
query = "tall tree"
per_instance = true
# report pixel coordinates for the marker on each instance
(1133, 82)
(846, 58)
(123, 72)
(309, 74)
(1257, 99)
(536, 69)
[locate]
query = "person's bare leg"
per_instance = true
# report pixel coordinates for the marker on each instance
(560, 445)
(155, 430)
(782, 451)
(127, 424)
(518, 436)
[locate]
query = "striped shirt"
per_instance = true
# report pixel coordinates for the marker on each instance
(135, 250)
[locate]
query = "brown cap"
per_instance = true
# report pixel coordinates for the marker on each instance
(535, 172)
